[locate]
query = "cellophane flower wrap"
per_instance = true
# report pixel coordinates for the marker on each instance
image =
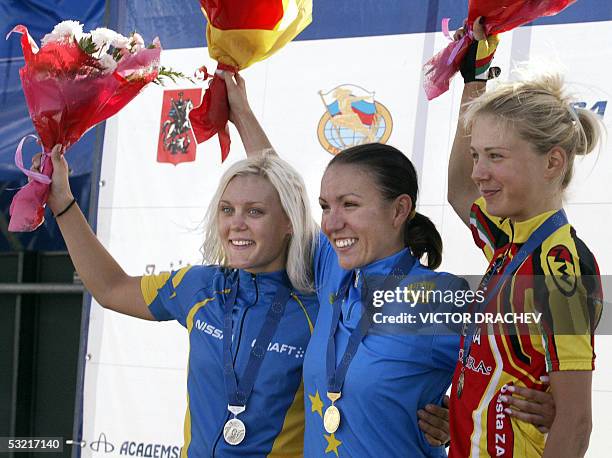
(500, 16)
(240, 33)
(73, 82)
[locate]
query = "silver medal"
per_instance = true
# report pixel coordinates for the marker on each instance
(234, 429)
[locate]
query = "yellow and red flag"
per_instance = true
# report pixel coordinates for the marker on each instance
(240, 33)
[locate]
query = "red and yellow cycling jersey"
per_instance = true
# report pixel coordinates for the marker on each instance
(560, 279)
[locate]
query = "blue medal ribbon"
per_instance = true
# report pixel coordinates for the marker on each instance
(238, 394)
(336, 375)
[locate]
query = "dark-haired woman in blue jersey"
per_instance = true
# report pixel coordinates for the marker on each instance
(364, 376)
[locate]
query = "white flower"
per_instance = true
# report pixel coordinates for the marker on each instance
(103, 37)
(108, 63)
(50, 38)
(137, 42)
(68, 28)
(120, 42)
(64, 32)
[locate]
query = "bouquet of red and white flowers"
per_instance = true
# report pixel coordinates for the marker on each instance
(73, 82)
(499, 16)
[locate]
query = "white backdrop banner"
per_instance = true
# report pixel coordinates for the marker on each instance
(155, 186)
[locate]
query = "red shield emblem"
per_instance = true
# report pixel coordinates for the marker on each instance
(176, 141)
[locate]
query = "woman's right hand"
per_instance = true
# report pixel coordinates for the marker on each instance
(478, 30)
(60, 194)
(237, 97)
(253, 136)
(476, 61)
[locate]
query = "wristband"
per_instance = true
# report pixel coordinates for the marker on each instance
(476, 63)
(67, 208)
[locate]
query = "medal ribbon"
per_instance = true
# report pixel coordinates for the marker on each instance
(336, 376)
(549, 226)
(238, 394)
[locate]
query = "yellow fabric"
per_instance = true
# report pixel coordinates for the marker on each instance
(178, 278)
(522, 229)
(297, 299)
(187, 424)
(241, 48)
(186, 429)
(487, 47)
(290, 441)
(149, 284)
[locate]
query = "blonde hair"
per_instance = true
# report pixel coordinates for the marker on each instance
(294, 200)
(543, 115)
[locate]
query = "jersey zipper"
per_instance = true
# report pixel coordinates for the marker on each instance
(243, 313)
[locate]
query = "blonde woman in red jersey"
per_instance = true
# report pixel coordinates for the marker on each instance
(511, 161)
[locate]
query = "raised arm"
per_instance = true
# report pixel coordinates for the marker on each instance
(462, 191)
(101, 275)
(253, 137)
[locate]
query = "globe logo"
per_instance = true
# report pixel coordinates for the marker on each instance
(352, 117)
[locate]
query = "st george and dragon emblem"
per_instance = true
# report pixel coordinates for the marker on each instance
(176, 142)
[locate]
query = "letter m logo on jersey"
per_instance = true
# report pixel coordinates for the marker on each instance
(176, 142)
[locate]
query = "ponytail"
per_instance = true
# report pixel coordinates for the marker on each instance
(422, 237)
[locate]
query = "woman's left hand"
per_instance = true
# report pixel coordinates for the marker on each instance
(433, 421)
(531, 406)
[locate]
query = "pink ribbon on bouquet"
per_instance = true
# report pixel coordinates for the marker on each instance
(36, 176)
(26, 210)
(457, 45)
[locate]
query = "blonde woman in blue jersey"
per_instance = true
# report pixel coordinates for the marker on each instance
(363, 389)
(244, 392)
(249, 314)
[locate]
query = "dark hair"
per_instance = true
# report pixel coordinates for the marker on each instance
(395, 175)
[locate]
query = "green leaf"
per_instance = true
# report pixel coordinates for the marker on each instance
(87, 45)
(166, 72)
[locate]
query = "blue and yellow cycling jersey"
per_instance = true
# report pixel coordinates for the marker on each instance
(274, 417)
(390, 377)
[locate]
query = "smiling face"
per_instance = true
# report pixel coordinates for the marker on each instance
(253, 227)
(515, 181)
(361, 226)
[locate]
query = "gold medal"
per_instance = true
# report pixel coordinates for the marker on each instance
(331, 419)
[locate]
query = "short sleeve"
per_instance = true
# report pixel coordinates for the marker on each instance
(170, 294)
(489, 232)
(569, 294)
